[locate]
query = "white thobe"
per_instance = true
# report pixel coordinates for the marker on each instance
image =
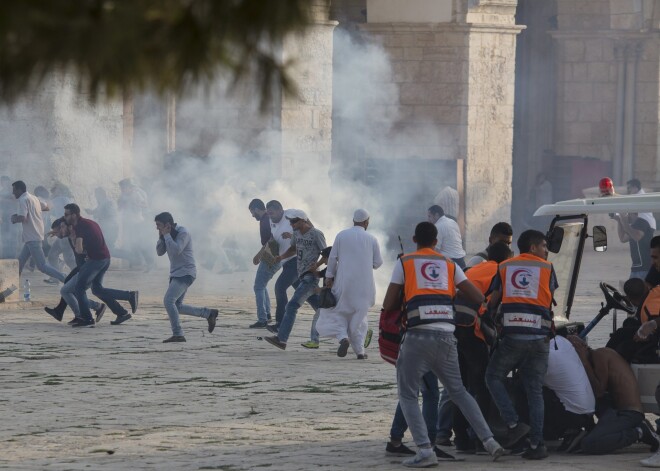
(354, 255)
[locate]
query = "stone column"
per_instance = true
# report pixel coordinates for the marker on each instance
(306, 118)
(489, 139)
(456, 77)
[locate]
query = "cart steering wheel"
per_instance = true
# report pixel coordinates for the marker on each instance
(615, 299)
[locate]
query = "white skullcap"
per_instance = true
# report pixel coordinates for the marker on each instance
(360, 215)
(296, 214)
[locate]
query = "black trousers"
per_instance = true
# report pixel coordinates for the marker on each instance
(472, 361)
(615, 429)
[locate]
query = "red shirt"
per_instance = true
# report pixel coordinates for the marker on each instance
(93, 241)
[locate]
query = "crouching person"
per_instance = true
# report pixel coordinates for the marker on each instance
(621, 419)
(175, 241)
(429, 282)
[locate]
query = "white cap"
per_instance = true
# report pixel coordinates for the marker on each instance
(296, 214)
(360, 215)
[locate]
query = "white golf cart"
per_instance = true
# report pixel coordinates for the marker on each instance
(566, 240)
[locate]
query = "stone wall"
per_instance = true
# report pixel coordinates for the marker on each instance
(57, 134)
(456, 92)
(607, 85)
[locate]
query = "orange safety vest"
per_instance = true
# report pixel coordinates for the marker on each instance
(651, 306)
(429, 287)
(526, 295)
(481, 276)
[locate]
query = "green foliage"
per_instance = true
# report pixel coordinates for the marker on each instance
(110, 47)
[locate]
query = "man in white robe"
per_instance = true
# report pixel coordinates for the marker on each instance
(354, 256)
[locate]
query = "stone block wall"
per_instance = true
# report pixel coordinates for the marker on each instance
(306, 117)
(456, 92)
(608, 69)
(586, 97)
(57, 134)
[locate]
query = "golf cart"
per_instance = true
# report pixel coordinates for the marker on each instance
(566, 241)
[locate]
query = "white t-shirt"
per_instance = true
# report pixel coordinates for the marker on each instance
(279, 228)
(568, 379)
(450, 243)
(648, 217)
(29, 207)
(398, 278)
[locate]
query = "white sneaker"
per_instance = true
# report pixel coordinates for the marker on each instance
(424, 458)
(651, 461)
(494, 448)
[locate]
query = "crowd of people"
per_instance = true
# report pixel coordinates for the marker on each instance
(468, 325)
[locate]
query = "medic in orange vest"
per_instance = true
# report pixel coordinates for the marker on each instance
(524, 286)
(481, 276)
(428, 288)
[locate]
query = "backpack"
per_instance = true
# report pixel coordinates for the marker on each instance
(391, 327)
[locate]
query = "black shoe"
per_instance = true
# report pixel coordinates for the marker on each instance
(466, 449)
(175, 338)
(273, 328)
(571, 440)
(83, 323)
(276, 341)
(538, 453)
(443, 456)
(133, 300)
(73, 321)
(648, 436)
(513, 435)
(260, 325)
(99, 312)
(211, 320)
(121, 319)
(400, 450)
(443, 442)
(343, 348)
(362, 356)
(55, 313)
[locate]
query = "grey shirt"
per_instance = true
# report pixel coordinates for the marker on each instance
(308, 248)
(180, 253)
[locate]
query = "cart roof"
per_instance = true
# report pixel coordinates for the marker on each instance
(646, 203)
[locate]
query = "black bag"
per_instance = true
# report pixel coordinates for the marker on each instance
(327, 300)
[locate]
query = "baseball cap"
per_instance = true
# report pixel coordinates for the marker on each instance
(296, 214)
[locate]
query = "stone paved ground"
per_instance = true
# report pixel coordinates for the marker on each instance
(117, 398)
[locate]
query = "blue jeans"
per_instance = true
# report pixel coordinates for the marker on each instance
(68, 295)
(430, 397)
(35, 249)
(264, 273)
(304, 292)
(287, 278)
(530, 357)
(173, 302)
(91, 274)
(424, 350)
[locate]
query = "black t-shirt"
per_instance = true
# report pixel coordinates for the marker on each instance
(640, 250)
(653, 277)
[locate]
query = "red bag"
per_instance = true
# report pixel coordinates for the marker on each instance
(391, 327)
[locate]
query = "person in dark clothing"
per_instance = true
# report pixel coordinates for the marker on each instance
(264, 259)
(89, 241)
(60, 229)
(638, 233)
(653, 276)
